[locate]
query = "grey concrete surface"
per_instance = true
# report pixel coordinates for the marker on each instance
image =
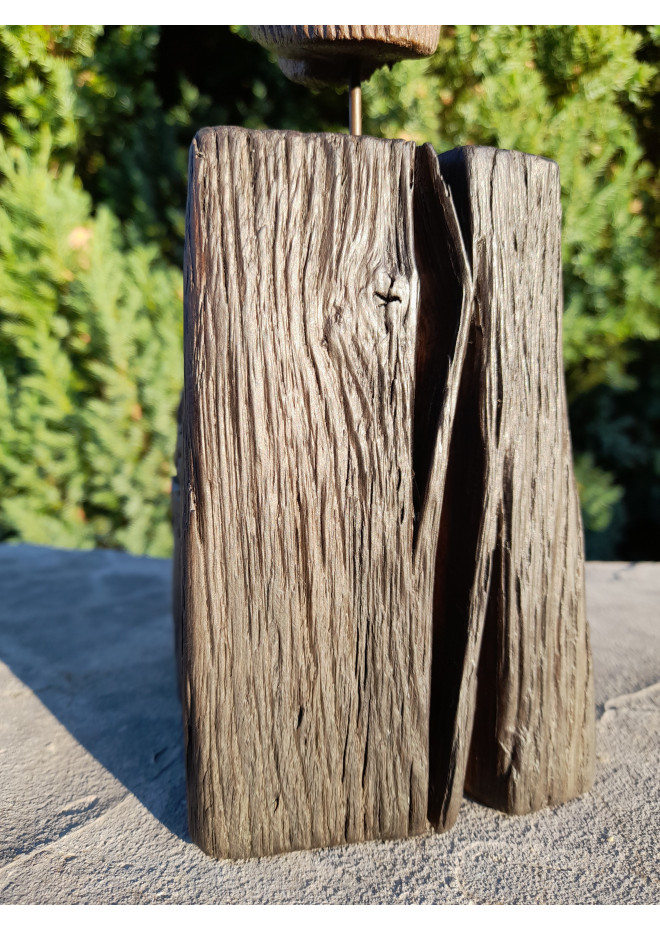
(92, 807)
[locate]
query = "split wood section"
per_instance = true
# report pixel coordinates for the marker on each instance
(380, 537)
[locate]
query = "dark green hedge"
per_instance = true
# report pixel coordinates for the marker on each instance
(95, 127)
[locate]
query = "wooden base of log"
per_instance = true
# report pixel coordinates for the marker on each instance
(381, 593)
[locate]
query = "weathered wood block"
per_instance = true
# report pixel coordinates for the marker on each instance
(306, 644)
(352, 343)
(510, 642)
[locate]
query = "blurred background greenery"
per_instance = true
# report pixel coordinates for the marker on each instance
(95, 125)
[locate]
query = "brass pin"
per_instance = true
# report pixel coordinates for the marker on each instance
(355, 107)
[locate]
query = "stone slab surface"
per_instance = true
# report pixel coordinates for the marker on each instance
(92, 807)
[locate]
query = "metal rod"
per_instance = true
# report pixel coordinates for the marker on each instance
(355, 107)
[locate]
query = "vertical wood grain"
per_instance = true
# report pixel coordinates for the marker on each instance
(381, 562)
(305, 648)
(510, 620)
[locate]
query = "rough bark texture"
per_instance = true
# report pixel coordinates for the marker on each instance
(373, 377)
(306, 646)
(176, 535)
(510, 642)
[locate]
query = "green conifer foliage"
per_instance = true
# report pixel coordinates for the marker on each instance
(575, 94)
(90, 341)
(95, 124)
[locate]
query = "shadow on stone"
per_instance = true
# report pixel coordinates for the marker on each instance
(90, 633)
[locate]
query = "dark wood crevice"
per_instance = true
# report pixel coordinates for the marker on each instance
(510, 632)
